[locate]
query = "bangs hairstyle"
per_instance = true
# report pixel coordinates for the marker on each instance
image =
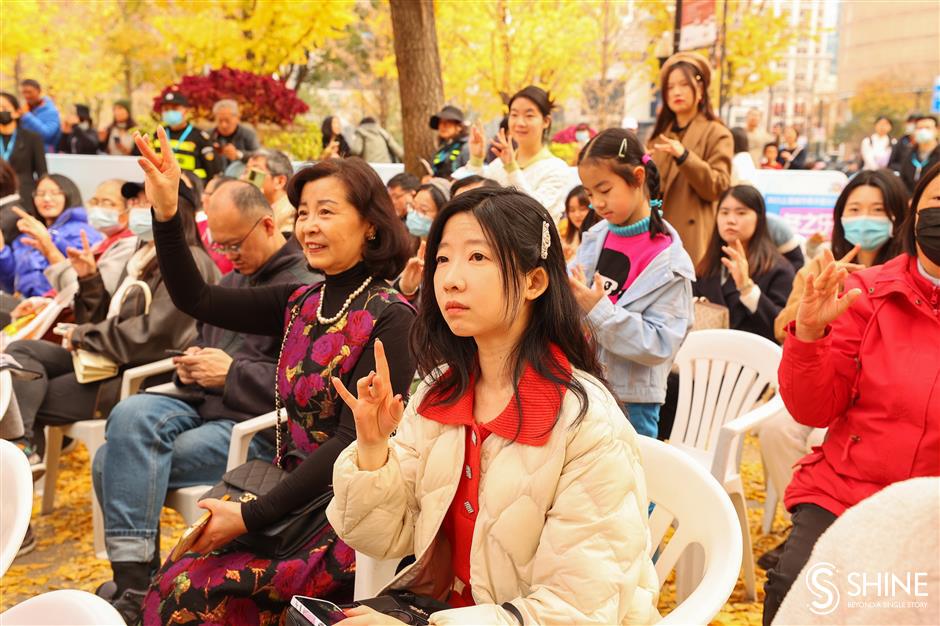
(894, 196)
(666, 117)
(907, 237)
(386, 255)
(620, 150)
(542, 101)
(512, 223)
(762, 253)
(589, 220)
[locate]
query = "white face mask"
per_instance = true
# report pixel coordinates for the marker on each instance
(140, 222)
(925, 135)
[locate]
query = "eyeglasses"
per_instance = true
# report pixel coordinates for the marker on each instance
(48, 194)
(104, 203)
(236, 247)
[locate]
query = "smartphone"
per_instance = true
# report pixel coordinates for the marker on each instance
(318, 612)
(174, 352)
(256, 178)
(191, 534)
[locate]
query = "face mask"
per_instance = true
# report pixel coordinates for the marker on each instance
(104, 220)
(924, 135)
(582, 136)
(868, 232)
(418, 225)
(5, 117)
(140, 222)
(927, 233)
(173, 117)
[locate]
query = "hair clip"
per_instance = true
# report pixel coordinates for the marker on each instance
(546, 240)
(656, 204)
(623, 149)
(646, 159)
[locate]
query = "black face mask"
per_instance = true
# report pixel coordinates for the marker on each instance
(5, 117)
(927, 233)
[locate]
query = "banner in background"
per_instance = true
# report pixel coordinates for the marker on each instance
(698, 25)
(804, 198)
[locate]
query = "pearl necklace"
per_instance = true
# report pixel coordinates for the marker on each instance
(332, 320)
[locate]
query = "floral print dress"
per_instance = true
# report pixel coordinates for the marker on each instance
(232, 586)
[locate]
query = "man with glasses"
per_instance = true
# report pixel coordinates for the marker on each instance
(181, 438)
(269, 170)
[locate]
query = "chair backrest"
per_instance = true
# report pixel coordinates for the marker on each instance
(16, 493)
(689, 498)
(722, 374)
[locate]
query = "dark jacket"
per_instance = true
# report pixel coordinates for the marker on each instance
(797, 161)
(244, 139)
(774, 286)
(28, 160)
(249, 385)
(79, 141)
(450, 157)
(909, 171)
(132, 337)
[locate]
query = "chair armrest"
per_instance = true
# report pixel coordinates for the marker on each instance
(242, 434)
(732, 431)
(133, 377)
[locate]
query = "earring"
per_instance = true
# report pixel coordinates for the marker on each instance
(371, 236)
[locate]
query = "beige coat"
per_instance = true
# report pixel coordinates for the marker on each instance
(562, 532)
(691, 190)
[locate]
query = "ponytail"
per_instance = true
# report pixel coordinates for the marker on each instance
(622, 151)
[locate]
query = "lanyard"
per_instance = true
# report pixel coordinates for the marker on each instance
(918, 165)
(182, 138)
(7, 150)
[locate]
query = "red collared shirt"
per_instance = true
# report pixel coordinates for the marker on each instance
(541, 401)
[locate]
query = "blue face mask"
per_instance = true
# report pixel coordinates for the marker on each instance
(140, 222)
(173, 117)
(104, 220)
(418, 225)
(868, 232)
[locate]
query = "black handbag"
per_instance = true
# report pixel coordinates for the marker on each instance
(256, 478)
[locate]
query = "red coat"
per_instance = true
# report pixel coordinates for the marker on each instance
(874, 381)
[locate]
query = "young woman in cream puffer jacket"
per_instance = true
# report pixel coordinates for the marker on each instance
(528, 512)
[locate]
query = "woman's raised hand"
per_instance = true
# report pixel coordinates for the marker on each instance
(821, 303)
(162, 174)
(477, 141)
(377, 411)
(83, 261)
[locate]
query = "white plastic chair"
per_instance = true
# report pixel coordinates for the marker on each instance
(685, 494)
(688, 496)
(16, 494)
(65, 607)
(91, 433)
(722, 375)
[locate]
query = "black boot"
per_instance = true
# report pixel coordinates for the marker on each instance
(130, 605)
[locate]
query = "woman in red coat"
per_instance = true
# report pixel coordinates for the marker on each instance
(865, 364)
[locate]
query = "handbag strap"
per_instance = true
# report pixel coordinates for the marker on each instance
(294, 312)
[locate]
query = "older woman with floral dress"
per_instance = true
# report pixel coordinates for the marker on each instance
(349, 232)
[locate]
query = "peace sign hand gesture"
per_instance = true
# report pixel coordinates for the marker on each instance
(162, 174)
(821, 303)
(83, 261)
(377, 411)
(502, 147)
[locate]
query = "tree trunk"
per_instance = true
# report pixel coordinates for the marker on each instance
(419, 77)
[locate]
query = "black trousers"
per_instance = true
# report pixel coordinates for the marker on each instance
(809, 522)
(56, 397)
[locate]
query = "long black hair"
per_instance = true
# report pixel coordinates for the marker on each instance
(667, 118)
(326, 131)
(589, 220)
(73, 197)
(621, 151)
(895, 197)
(762, 253)
(513, 223)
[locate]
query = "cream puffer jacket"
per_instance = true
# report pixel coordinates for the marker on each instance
(562, 532)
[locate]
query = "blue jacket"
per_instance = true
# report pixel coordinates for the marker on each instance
(21, 267)
(44, 120)
(639, 337)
